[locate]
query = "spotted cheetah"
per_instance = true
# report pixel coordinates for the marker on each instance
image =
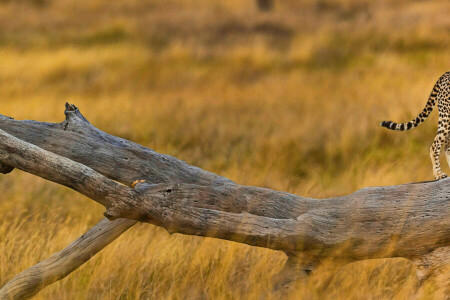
(441, 95)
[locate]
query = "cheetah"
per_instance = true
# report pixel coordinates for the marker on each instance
(441, 95)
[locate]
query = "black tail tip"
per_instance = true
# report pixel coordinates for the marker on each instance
(386, 124)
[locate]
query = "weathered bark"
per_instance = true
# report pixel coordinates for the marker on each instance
(409, 220)
(116, 158)
(59, 265)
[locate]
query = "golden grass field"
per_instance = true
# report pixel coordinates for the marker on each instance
(289, 100)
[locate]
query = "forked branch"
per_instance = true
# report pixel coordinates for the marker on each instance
(409, 220)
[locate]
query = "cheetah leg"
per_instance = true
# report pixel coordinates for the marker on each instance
(435, 151)
(447, 150)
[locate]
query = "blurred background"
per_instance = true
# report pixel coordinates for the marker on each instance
(284, 94)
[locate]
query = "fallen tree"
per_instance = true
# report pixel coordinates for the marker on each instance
(135, 184)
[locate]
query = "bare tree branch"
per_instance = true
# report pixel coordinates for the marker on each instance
(59, 265)
(228, 211)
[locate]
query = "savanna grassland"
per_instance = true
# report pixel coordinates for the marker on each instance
(289, 100)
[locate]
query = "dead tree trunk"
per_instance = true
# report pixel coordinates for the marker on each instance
(411, 220)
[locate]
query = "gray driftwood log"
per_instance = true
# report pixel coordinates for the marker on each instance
(410, 221)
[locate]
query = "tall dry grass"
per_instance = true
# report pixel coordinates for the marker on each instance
(289, 100)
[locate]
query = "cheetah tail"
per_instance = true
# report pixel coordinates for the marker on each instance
(420, 118)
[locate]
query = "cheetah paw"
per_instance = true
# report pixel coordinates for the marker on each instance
(440, 176)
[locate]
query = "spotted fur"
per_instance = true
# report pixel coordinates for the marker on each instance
(441, 96)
